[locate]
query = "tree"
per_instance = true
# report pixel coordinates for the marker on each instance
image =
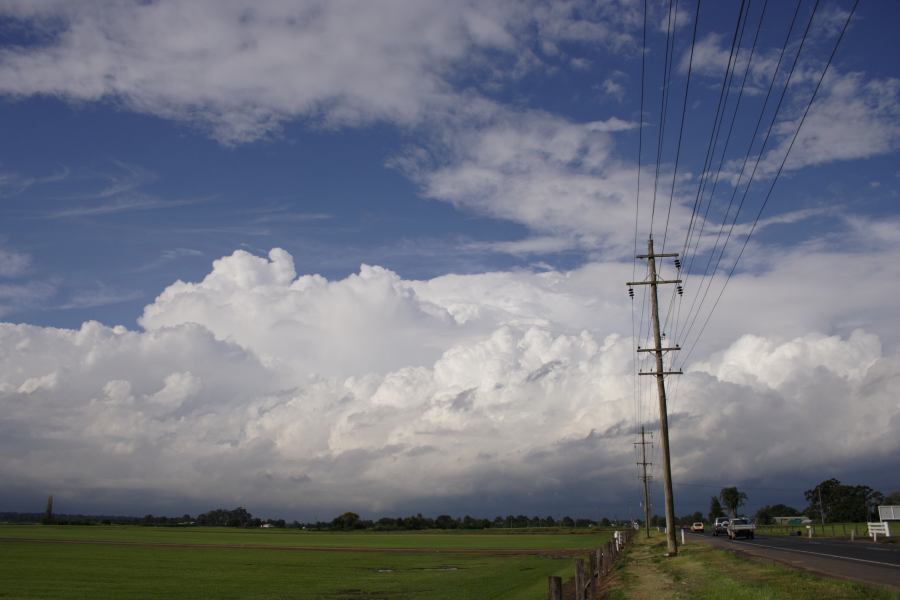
(766, 513)
(348, 520)
(446, 522)
(715, 509)
(733, 499)
(847, 503)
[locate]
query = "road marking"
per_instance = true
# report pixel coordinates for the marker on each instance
(862, 560)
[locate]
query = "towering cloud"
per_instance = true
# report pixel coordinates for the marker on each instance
(259, 387)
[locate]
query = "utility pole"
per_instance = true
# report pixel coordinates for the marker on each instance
(660, 374)
(646, 479)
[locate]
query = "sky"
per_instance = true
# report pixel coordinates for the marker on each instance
(308, 257)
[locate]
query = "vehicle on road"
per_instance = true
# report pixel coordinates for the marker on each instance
(740, 527)
(697, 527)
(720, 526)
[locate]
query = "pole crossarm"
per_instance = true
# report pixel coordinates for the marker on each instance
(657, 255)
(661, 373)
(653, 282)
(658, 349)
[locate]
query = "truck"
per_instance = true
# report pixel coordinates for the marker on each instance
(740, 527)
(720, 526)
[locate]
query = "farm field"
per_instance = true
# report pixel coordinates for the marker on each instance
(140, 562)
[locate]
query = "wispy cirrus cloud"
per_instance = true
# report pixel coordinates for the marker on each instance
(13, 263)
(13, 184)
(135, 202)
(101, 295)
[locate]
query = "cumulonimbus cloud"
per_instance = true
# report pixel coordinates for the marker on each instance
(259, 387)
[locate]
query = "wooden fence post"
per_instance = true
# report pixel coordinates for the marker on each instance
(556, 588)
(580, 579)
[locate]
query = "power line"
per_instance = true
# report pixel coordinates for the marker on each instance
(637, 204)
(783, 162)
(664, 101)
(765, 143)
(706, 160)
(734, 120)
(741, 175)
(687, 87)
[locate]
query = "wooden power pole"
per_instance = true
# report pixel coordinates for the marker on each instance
(660, 374)
(646, 479)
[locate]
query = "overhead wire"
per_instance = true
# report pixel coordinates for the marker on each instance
(636, 401)
(726, 144)
(664, 101)
(713, 132)
(783, 161)
(687, 87)
(740, 178)
(691, 320)
(688, 256)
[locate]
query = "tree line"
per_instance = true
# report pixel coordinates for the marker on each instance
(240, 517)
(830, 501)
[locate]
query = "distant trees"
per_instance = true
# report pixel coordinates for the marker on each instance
(765, 514)
(347, 521)
(839, 502)
(239, 517)
(715, 509)
(733, 499)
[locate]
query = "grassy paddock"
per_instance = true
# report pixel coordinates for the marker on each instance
(552, 539)
(703, 572)
(210, 563)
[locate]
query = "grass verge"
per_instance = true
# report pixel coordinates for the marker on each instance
(703, 572)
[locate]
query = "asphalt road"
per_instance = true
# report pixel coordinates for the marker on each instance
(860, 560)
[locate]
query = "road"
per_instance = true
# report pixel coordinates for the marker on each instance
(860, 560)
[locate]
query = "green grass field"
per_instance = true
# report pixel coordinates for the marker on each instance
(137, 562)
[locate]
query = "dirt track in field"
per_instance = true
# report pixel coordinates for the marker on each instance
(548, 553)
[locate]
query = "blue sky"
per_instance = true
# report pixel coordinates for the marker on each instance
(483, 160)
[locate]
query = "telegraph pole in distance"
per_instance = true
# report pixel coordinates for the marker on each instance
(660, 374)
(646, 479)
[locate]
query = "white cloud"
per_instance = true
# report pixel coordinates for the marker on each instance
(241, 69)
(533, 245)
(555, 176)
(852, 118)
(614, 89)
(258, 387)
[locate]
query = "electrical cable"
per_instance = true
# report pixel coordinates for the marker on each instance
(781, 166)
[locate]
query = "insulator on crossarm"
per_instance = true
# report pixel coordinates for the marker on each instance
(631, 292)
(678, 264)
(679, 289)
